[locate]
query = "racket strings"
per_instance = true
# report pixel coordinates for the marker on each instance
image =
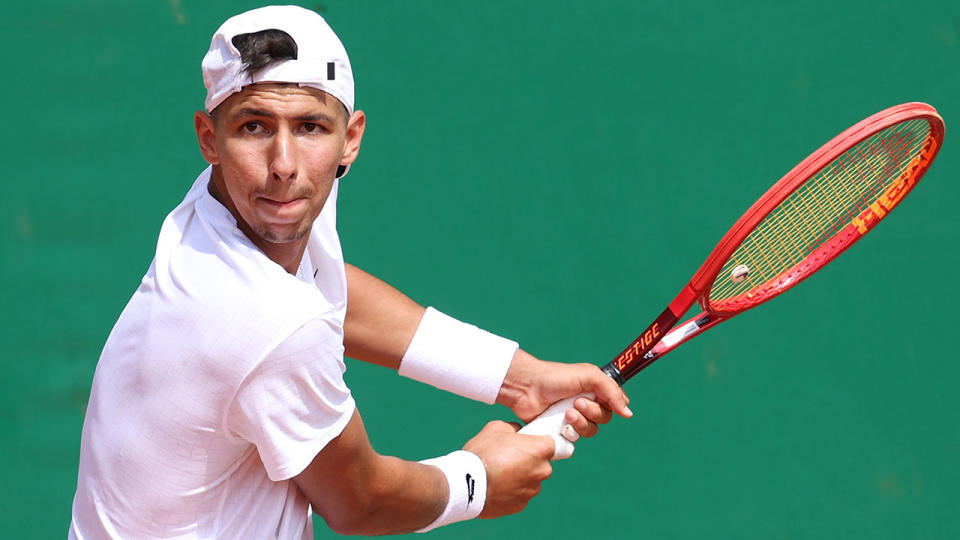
(843, 200)
(827, 206)
(862, 193)
(775, 247)
(822, 207)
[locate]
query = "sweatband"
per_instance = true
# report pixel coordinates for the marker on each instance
(458, 357)
(467, 479)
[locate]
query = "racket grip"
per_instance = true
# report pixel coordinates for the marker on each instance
(552, 424)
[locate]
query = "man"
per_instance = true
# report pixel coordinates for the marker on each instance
(219, 409)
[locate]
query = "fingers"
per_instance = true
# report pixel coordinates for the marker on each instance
(609, 393)
(593, 411)
(581, 425)
(586, 416)
(540, 446)
(547, 451)
(516, 465)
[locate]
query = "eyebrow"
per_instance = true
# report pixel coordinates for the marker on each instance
(246, 111)
(314, 117)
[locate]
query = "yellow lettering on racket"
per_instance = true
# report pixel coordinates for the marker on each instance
(642, 342)
(624, 359)
(896, 192)
(890, 198)
(861, 225)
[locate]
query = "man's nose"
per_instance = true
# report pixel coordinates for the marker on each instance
(283, 166)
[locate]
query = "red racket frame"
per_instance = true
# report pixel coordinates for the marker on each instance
(658, 339)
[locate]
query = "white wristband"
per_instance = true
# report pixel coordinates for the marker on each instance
(467, 479)
(458, 357)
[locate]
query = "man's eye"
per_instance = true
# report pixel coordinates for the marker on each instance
(252, 127)
(312, 128)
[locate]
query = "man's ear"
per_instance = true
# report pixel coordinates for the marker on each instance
(351, 147)
(203, 123)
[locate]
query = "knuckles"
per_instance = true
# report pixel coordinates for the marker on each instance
(543, 473)
(497, 425)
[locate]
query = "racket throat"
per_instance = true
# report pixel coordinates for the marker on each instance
(636, 356)
(614, 373)
(626, 366)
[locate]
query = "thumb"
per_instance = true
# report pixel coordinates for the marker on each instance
(546, 445)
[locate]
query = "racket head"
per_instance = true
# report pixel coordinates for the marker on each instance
(819, 209)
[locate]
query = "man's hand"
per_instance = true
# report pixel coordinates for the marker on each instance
(516, 466)
(532, 385)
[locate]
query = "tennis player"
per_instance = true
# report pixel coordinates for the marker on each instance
(218, 407)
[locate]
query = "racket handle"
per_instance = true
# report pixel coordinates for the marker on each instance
(552, 424)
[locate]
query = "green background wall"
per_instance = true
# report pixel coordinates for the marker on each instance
(552, 171)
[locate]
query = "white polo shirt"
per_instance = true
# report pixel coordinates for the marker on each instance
(221, 380)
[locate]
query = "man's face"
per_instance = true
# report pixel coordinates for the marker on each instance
(276, 149)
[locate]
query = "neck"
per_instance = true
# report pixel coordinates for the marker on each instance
(288, 254)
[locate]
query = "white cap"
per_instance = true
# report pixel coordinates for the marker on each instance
(321, 58)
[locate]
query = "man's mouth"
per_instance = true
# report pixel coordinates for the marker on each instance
(282, 203)
(282, 209)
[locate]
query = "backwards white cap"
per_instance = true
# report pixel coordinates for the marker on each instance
(321, 58)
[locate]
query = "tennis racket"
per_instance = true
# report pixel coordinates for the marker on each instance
(809, 217)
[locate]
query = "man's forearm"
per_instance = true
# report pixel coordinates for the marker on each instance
(403, 497)
(387, 328)
(381, 320)
(358, 491)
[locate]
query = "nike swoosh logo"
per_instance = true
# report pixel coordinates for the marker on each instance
(470, 484)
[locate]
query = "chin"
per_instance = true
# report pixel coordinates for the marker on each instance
(281, 235)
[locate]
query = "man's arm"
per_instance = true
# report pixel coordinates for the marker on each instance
(381, 322)
(358, 491)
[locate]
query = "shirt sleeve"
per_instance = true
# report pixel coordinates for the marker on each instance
(295, 400)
